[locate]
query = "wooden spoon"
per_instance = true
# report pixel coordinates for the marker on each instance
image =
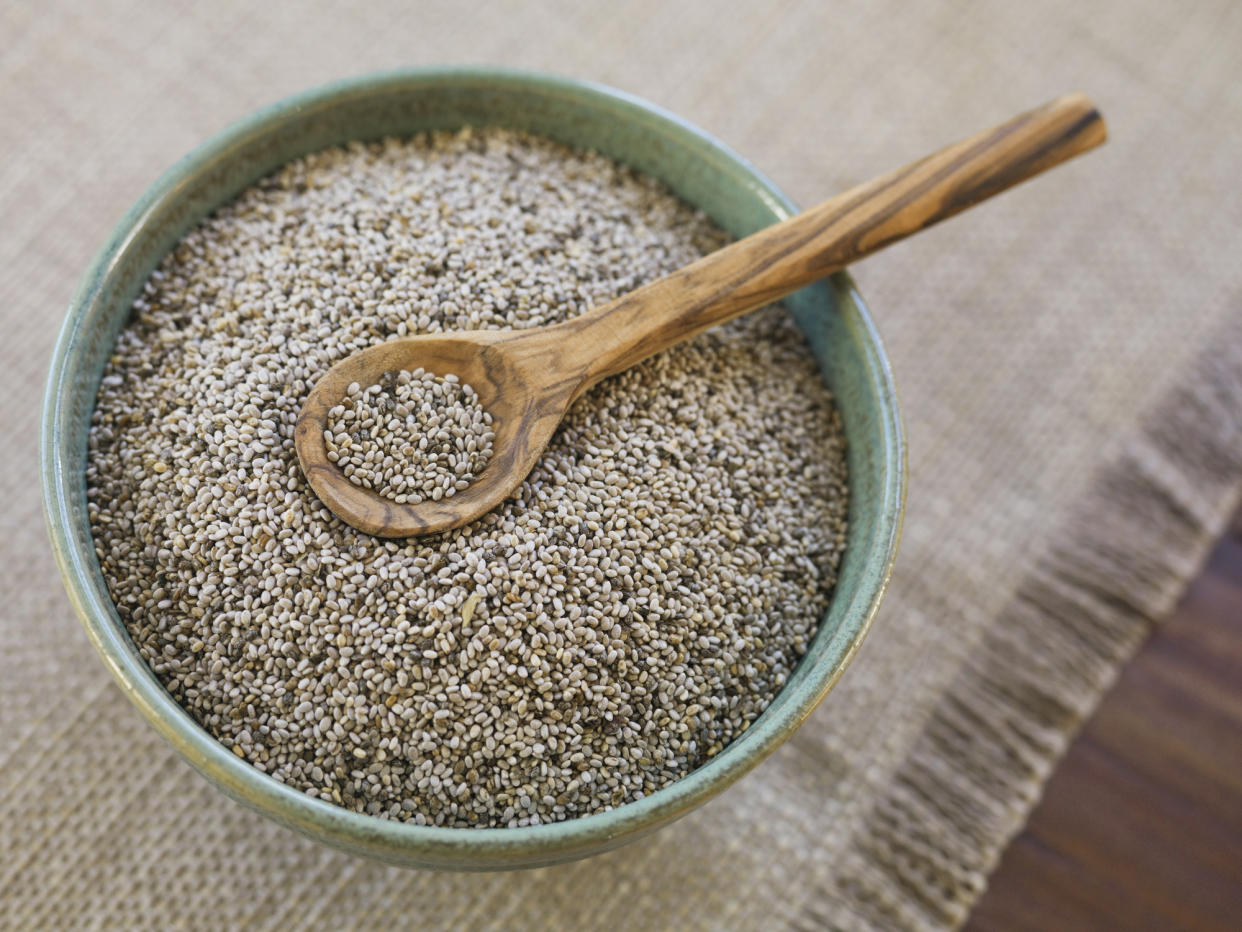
(527, 379)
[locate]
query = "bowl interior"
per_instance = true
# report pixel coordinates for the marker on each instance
(701, 171)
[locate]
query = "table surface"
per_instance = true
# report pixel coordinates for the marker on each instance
(1140, 826)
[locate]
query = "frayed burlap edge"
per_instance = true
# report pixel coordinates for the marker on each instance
(921, 857)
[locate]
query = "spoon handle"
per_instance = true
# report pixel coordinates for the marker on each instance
(811, 245)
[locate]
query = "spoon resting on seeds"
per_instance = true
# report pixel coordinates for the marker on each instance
(526, 380)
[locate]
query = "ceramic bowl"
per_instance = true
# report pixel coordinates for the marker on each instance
(702, 171)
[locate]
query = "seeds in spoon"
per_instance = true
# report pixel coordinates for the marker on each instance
(413, 437)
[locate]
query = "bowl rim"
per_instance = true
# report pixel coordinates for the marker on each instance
(371, 835)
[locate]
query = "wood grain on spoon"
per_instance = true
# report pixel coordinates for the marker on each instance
(527, 379)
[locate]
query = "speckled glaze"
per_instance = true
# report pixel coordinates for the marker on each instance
(697, 167)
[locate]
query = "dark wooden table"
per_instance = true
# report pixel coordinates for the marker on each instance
(1141, 825)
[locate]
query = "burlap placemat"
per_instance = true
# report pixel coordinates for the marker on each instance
(1069, 359)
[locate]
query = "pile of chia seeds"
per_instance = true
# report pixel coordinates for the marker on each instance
(620, 620)
(417, 437)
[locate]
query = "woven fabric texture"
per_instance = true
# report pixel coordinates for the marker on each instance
(1069, 359)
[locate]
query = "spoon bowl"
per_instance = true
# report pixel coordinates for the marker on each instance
(504, 367)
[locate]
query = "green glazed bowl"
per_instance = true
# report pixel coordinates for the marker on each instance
(703, 172)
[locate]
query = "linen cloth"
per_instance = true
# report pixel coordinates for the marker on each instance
(1070, 365)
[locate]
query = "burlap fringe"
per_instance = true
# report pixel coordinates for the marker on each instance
(923, 854)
